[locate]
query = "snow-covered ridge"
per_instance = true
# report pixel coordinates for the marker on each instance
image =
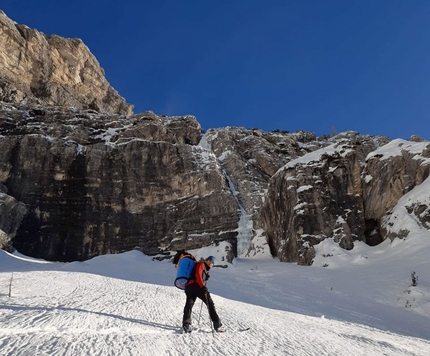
(340, 145)
(398, 146)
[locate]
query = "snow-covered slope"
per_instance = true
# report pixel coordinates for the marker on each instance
(126, 305)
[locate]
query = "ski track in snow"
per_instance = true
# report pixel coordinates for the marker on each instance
(71, 313)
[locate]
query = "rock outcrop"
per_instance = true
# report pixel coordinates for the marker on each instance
(250, 157)
(11, 215)
(37, 69)
(98, 184)
(391, 172)
(317, 196)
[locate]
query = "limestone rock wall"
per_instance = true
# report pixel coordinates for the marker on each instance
(37, 69)
(250, 157)
(98, 184)
(391, 172)
(11, 215)
(317, 196)
(81, 176)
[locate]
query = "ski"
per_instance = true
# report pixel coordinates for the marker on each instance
(182, 331)
(232, 330)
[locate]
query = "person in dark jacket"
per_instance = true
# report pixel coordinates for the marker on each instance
(196, 288)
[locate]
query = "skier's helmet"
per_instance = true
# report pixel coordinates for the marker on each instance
(211, 258)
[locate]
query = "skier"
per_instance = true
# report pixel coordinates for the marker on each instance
(196, 287)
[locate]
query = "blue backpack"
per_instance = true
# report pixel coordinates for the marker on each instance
(186, 265)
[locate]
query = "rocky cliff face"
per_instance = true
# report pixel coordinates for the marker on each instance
(95, 183)
(356, 189)
(35, 68)
(250, 158)
(11, 215)
(318, 196)
(390, 175)
(98, 184)
(80, 176)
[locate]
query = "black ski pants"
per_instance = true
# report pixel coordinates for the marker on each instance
(193, 291)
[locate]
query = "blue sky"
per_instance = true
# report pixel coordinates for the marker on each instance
(315, 65)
